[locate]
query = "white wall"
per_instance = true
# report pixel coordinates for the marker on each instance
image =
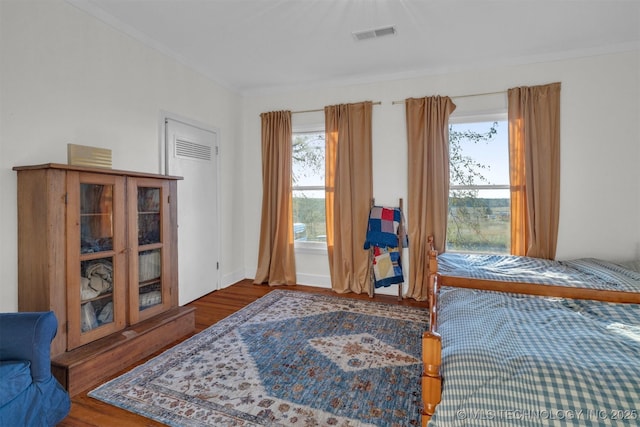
(68, 78)
(600, 146)
(65, 77)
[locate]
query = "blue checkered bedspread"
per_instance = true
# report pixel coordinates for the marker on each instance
(518, 360)
(584, 272)
(523, 360)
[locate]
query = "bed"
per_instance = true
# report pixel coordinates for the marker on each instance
(521, 341)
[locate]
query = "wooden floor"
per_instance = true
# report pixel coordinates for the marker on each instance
(211, 308)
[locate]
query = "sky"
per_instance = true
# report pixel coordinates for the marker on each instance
(494, 153)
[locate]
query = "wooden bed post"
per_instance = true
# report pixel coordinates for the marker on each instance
(431, 346)
(432, 291)
(431, 379)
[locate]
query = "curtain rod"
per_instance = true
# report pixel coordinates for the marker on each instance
(402, 102)
(322, 109)
(463, 96)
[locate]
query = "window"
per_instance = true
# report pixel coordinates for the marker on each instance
(308, 170)
(479, 201)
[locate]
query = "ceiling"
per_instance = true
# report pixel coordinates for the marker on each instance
(262, 46)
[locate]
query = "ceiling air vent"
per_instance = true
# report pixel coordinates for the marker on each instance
(372, 34)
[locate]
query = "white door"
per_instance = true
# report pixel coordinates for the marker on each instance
(191, 152)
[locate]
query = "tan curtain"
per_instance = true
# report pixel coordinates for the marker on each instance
(349, 190)
(534, 157)
(428, 169)
(276, 262)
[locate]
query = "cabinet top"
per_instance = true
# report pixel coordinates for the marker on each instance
(94, 170)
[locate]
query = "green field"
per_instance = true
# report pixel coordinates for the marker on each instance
(479, 225)
(474, 224)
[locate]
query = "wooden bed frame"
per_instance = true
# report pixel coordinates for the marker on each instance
(432, 342)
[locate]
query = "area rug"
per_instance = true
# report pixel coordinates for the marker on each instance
(288, 359)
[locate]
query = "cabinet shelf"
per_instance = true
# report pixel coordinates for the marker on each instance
(149, 247)
(98, 298)
(90, 256)
(146, 283)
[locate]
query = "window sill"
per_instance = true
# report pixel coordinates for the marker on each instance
(310, 248)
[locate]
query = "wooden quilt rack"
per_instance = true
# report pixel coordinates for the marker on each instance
(401, 238)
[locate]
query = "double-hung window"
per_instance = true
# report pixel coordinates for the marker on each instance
(479, 198)
(308, 168)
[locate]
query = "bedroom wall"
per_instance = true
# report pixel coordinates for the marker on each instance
(69, 78)
(600, 146)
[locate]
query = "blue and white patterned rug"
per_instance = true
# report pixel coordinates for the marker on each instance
(288, 359)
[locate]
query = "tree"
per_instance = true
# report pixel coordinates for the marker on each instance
(308, 150)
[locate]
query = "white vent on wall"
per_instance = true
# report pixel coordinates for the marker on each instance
(374, 33)
(191, 150)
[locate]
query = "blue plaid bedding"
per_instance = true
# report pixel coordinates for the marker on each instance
(584, 272)
(523, 360)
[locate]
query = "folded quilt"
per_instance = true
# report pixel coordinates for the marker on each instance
(383, 227)
(387, 269)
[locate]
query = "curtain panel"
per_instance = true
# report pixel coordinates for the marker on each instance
(428, 184)
(534, 169)
(349, 190)
(276, 262)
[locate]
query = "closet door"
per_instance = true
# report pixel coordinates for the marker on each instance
(192, 153)
(96, 261)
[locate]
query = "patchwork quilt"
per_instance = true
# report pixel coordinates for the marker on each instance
(383, 227)
(383, 236)
(386, 266)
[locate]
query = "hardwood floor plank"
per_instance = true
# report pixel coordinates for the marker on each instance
(211, 308)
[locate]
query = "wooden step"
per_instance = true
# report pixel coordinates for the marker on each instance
(86, 366)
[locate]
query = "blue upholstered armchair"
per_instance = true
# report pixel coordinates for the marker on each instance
(29, 394)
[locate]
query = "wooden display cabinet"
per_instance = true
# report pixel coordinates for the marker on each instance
(99, 248)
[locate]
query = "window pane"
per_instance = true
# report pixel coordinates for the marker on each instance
(308, 216)
(479, 153)
(308, 180)
(148, 215)
(308, 159)
(480, 224)
(96, 293)
(479, 215)
(96, 218)
(149, 279)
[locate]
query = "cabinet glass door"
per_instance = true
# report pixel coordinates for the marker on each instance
(95, 252)
(148, 294)
(96, 293)
(149, 261)
(96, 218)
(149, 279)
(96, 275)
